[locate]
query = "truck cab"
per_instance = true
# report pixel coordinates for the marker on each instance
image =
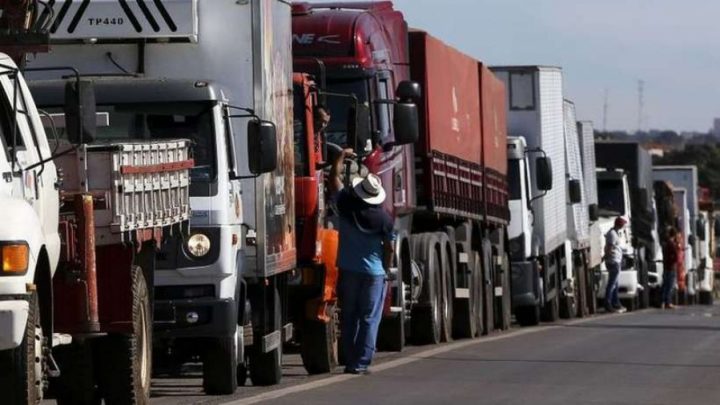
(614, 201)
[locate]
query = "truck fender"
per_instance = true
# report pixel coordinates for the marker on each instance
(21, 223)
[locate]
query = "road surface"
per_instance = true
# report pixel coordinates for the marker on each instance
(648, 357)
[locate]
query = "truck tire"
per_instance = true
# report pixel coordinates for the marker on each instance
(266, 368)
(630, 303)
(220, 366)
(551, 310)
(706, 298)
(426, 321)
(581, 292)
(644, 296)
(22, 367)
(479, 303)
(76, 384)
(448, 288)
(319, 344)
(488, 274)
(569, 303)
(124, 362)
(391, 336)
(591, 292)
(504, 305)
(528, 315)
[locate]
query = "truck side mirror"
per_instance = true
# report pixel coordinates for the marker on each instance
(359, 128)
(575, 191)
(262, 146)
(543, 173)
(408, 90)
(405, 123)
(80, 120)
(594, 212)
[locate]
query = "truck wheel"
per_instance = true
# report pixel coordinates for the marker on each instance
(706, 298)
(569, 303)
(427, 319)
(479, 303)
(220, 366)
(581, 292)
(504, 312)
(551, 310)
(528, 315)
(630, 303)
(488, 275)
(448, 289)
(76, 384)
(124, 362)
(266, 368)
(319, 345)
(591, 293)
(22, 380)
(391, 336)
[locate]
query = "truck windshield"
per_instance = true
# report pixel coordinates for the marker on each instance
(611, 200)
(340, 106)
(514, 179)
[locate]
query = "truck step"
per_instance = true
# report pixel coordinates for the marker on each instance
(287, 332)
(60, 339)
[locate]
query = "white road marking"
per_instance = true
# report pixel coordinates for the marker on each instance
(267, 396)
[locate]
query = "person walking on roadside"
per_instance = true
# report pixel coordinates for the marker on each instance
(364, 257)
(671, 255)
(613, 261)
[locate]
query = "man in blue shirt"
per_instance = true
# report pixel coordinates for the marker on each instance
(364, 256)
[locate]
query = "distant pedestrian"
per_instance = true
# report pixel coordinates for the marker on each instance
(364, 257)
(613, 262)
(672, 254)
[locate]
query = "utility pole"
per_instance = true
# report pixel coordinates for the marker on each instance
(605, 110)
(641, 104)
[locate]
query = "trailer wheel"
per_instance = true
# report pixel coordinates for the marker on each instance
(528, 315)
(391, 336)
(706, 298)
(22, 382)
(76, 384)
(266, 368)
(124, 362)
(426, 321)
(591, 292)
(630, 303)
(488, 295)
(448, 287)
(551, 310)
(220, 366)
(319, 345)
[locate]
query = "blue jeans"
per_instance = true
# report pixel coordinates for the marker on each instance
(361, 305)
(667, 286)
(611, 291)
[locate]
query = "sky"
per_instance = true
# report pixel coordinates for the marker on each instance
(602, 46)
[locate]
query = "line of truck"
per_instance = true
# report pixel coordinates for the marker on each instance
(173, 181)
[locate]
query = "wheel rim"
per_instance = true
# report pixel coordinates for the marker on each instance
(144, 350)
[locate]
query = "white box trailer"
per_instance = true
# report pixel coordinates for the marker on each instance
(536, 113)
(577, 214)
(203, 69)
(682, 177)
(586, 135)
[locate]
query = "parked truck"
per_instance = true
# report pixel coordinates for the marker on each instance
(597, 242)
(542, 275)
(706, 242)
(685, 177)
(625, 187)
(165, 70)
(449, 201)
(578, 217)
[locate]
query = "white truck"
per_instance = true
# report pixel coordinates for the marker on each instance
(586, 133)
(220, 73)
(538, 232)
(578, 217)
(81, 222)
(686, 177)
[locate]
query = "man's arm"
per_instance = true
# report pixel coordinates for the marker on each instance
(388, 251)
(335, 182)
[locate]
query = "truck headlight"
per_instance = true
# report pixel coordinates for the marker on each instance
(15, 257)
(198, 245)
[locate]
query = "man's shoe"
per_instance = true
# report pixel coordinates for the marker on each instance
(669, 306)
(620, 310)
(363, 371)
(609, 309)
(351, 371)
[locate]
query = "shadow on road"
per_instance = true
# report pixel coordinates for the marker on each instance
(594, 362)
(641, 326)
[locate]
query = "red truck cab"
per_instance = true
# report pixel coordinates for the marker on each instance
(361, 49)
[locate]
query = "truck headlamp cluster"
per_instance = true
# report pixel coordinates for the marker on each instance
(198, 245)
(15, 258)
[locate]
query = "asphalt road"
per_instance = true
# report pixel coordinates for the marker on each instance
(648, 357)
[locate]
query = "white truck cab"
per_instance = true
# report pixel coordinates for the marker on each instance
(614, 201)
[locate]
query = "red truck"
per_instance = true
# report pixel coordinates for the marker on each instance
(447, 191)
